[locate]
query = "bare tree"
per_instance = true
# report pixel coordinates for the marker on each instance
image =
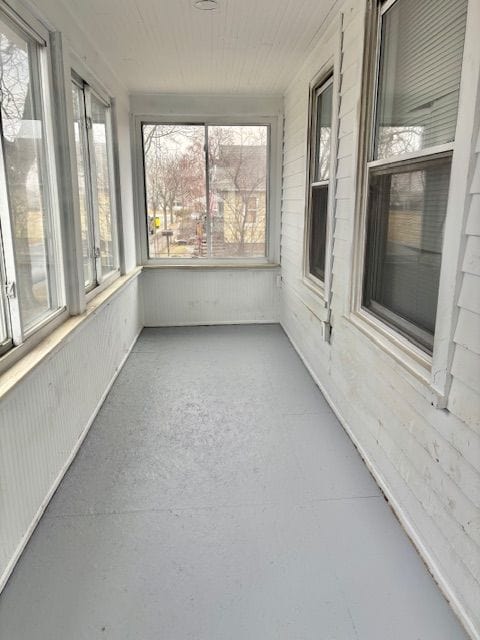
(176, 183)
(395, 140)
(173, 170)
(22, 134)
(238, 163)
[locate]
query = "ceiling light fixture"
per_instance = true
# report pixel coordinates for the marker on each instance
(206, 5)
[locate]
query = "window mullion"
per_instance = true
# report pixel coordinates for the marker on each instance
(11, 283)
(92, 185)
(44, 168)
(85, 146)
(207, 195)
(5, 330)
(410, 158)
(114, 210)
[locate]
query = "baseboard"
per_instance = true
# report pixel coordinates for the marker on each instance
(31, 528)
(396, 507)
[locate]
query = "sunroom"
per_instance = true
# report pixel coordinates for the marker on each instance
(239, 319)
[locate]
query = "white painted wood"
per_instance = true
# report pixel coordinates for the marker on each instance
(461, 184)
(176, 297)
(426, 460)
(470, 293)
(68, 196)
(243, 47)
(467, 333)
(466, 367)
(471, 262)
(473, 223)
(45, 415)
(49, 397)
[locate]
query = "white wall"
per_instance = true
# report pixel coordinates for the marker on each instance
(44, 415)
(427, 460)
(174, 297)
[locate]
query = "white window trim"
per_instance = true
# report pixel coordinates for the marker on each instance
(82, 76)
(56, 64)
(319, 293)
(272, 252)
(23, 339)
(18, 12)
(432, 372)
(319, 84)
(21, 360)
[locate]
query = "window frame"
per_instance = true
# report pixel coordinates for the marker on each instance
(430, 372)
(20, 339)
(55, 63)
(271, 256)
(81, 78)
(325, 78)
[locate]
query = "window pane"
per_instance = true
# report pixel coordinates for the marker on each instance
(405, 232)
(82, 155)
(323, 132)
(318, 230)
(23, 145)
(237, 178)
(101, 150)
(420, 66)
(175, 190)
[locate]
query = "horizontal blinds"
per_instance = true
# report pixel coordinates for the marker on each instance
(318, 230)
(407, 209)
(420, 68)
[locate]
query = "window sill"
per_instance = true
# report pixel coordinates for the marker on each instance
(412, 359)
(313, 297)
(316, 287)
(23, 364)
(93, 293)
(212, 265)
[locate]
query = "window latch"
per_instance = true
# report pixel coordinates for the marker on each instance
(10, 290)
(96, 252)
(88, 122)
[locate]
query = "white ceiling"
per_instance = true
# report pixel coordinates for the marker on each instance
(245, 46)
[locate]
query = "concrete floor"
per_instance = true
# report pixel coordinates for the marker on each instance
(218, 498)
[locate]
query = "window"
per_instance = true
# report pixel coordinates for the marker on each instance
(319, 179)
(94, 156)
(31, 274)
(252, 208)
(409, 162)
(206, 190)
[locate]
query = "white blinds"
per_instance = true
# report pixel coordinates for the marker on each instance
(420, 66)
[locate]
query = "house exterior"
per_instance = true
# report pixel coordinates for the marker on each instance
(238, 177)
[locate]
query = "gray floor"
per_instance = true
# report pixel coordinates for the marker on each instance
(218, 498)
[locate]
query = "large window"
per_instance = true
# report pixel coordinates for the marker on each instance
(94, 155)
(30, 257)
(206, 190)
(409, 158)
(319, 178)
